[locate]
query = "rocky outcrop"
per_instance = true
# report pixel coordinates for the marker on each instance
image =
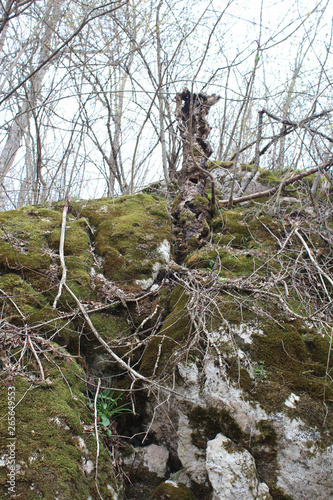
(225, 382)
(232, 471)
(252, 453)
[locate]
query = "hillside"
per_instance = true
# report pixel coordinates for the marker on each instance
(219, 350)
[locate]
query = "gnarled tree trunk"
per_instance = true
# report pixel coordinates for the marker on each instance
(193, 209)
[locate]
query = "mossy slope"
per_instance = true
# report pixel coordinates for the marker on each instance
(53, 445)
(120, 239)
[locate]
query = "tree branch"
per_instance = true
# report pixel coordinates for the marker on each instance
(85, 21)
(269, 192)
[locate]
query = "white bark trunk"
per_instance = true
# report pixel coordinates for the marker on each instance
(19, 125)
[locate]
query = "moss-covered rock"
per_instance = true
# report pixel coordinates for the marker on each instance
(55, 452)
(172, 491)
(240, 228)
(172, 335)
(128, 233)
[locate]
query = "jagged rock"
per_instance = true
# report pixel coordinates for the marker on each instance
(223, 173)
(191, 457)
(290, 457)
(306, 466)
(153, 458)
(232, 472)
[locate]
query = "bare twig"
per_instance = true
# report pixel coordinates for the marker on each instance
(313, 260)
(61, 254)
(14, 304)
(36, 357)
(97, 438)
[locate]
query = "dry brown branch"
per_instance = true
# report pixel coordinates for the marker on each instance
(36, 357)
(14, 304)
(271, 191)
(313, 260)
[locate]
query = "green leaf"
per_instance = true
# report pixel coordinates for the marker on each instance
(105, 421)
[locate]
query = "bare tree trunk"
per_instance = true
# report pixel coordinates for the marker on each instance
(160, 97)
(194, 208)
(19, 126)
(12, 145)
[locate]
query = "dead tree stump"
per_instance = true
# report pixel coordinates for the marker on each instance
(192, 209)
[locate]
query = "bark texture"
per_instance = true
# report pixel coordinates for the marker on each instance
(193, 208)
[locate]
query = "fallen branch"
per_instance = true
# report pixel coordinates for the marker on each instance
(13, 302)
(269, 192)
(36, 357)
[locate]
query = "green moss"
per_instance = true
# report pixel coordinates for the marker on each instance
(78, 269)
(229, 263)
(201, 202)
(269, 177)
(278, 494)
(201, 259)
(233, 310)
(238, 265)
(241, 229)
(77, 240)
(246, 168)
(173, 334)
(208, 422)
(294, 359)
(66, 334)
(169, 491)
(110, 326)
(23, 234)
(30, 243)
(317, 347)
(30, 303)
(224, 164)
(129, 230)
(263, 448)
(197, 153)
(48, 417)
(186, 216)
(292, 364)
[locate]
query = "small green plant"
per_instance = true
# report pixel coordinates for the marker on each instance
(210, 265)
(108, 408)
(259, 371)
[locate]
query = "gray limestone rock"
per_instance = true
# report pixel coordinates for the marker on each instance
(232, 472)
